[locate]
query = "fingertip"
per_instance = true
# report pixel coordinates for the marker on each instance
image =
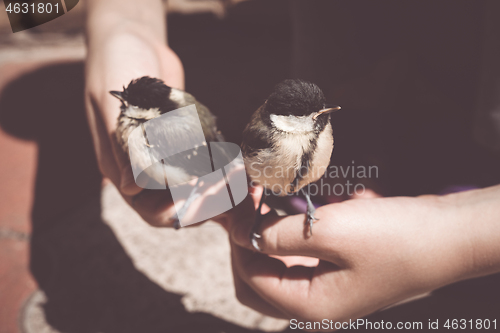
(127, 183)
(256, 194)
(240, 233)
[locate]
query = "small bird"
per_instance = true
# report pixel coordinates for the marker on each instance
(288, 143)
(147, 98)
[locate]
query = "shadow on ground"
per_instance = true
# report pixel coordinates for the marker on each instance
(90, 283)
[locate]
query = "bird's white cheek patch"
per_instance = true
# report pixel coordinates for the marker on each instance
(177, 96)
(138, 113)
(293, 124)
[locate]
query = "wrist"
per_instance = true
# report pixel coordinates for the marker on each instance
(465, 239)
(441, 244)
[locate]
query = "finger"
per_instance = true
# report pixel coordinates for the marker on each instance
(366, 194)
(127, 183)
(107, 112)
(155, 207)
(249, 297)
(287, 289)
(256, 194)
(291, 261)
(288, 235)
(118, 169)
(245, 209)
(173, 73)
(107, 164)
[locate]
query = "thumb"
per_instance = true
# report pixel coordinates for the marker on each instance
(127, 181)
(128, 185)
(287, 235)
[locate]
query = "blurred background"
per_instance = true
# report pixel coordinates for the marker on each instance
(75, 258)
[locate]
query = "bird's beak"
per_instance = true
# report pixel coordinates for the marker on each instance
(329, 109)
(118, 95)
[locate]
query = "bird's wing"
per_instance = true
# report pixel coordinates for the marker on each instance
(256, 135)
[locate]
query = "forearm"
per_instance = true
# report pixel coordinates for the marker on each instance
(123, 42)
(144, 17)
(479, 213)
(126, 39)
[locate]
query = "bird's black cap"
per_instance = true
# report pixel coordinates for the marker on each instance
(295, 97)
(146, 93)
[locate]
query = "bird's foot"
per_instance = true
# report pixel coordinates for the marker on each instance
(254, 234)
(310, 213)
(310, 220)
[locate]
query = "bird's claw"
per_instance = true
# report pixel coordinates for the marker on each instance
(253, 238)
(254, 234)
(310, 220)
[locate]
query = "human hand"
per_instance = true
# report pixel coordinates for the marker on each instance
(372, 253)
(121, 49)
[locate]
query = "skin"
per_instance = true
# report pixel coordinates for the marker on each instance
(365, 254)
(126, 39)
(370, 253)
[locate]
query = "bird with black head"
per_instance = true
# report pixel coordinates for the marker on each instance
(147, 98)
(288, 143)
